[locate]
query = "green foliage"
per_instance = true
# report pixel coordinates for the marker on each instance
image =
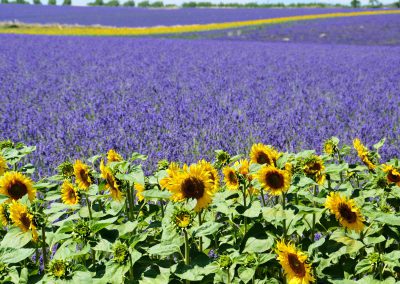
(112, 3)
(129, 3)
(153, 239)
(67, 2)
(52, 2)
(144, 4)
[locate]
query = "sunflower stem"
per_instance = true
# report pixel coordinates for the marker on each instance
(284, 220)
(88, 206)
(245, 205)
(187, 259)
(200, 238)
(130, 203)
(44, 246)
(162, 208)
(263, 197)
(313, 216)
(229, 276)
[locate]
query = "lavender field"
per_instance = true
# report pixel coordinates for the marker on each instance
(142, 17)
(182, 99)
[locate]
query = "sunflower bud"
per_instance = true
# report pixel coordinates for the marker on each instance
(66, 169)
(4, 214)
(182, 219)
(60, 269)
(81, 231)
(120, 253)
(251, 260)
(224, 261)
(222, 159)
(6, 144)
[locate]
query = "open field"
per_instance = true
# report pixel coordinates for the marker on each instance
(244, 147)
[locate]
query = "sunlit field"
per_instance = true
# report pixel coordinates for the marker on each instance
(199, 145)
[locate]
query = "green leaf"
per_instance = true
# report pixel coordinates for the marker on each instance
(156, 194)
(379, 145)
(254, 211)
(207, 228)
(246, 273)
(16, 239)
(163, 249)
(258, 245)
(389, 219)
(9, 255)
(352, 245)
(363, 266)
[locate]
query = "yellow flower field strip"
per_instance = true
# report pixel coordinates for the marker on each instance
(115, 31)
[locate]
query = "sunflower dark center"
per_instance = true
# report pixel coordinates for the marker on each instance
(25, 220)
(263, 158)
(274, 180)
(314, 168)
(232, 177)
(392, 177)
(193, 188)
(84, 175)
(346, 213)
(71, 195)
(17, 190)
(296, 265)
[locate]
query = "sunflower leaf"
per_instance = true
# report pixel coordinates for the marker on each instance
(9, 255)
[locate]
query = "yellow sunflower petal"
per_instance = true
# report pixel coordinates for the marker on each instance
(69, 194)
(16, 185)
(3, 165)
(230, 178)
(20, 216)
(263, 154)
(274, 180)
(113, 156)
(345, 211)
(82, 175)
(363, 153)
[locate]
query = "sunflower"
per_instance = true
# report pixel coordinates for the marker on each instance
(139, 190)
(263, 154)
(363, 153)
(20, 216)
(294, 264)
(4, 215)
(274, 180)
(172, 171)
(212, 173)
(345, 211)
(243, 167)
(82, 174)
(111, 182)
(314, 168)
(69, 194)
(230, 178)
(15, 185)
(392, 174)
(192, 182)
(3, 165)
(113, 156)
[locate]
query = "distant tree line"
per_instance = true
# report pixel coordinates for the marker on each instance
(192, 4)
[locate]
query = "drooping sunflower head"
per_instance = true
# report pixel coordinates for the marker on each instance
(182, 218)
(346, 211)
(120, 252)
(192, 183)
(4, 214)
(222, 158)
(274, 180)
(212, 173)
(294, 263)
(314, 168)
(22, 218)
(60, 269)
(112, 184)
(364, 154)
(82, 175)
(3, 165)
(230, 178)
(82, 231)
(139, 190)
(263, 154)
(16, 185)
(69, 193)
(113, 156)
(392, 174)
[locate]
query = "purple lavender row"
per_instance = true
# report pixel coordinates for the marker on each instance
(177, 99)
(365, 30)
(141, 17)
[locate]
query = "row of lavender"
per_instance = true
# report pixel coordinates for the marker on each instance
(141, 17)
(365, 30)
(178, 99)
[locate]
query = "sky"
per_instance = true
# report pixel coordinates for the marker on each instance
(178, 2)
